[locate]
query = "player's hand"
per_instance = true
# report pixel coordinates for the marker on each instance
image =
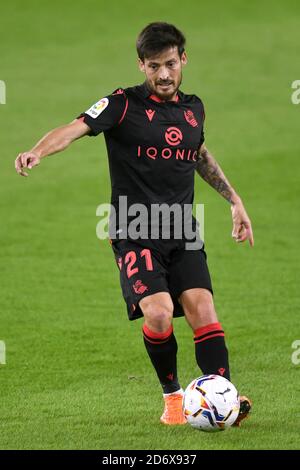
(242, 229)
(26, 160)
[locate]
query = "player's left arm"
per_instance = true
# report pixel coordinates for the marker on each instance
(211, 172)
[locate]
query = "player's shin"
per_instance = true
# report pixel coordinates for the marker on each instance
(211, 351)
(162, 350)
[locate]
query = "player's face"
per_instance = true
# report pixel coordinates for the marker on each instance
(164, 72)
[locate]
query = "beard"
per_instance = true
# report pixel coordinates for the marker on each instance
(169, 92)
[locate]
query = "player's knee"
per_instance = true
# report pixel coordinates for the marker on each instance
(205, 311)
(158, 316)
(201, 310)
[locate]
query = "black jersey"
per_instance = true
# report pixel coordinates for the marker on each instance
(152, 144)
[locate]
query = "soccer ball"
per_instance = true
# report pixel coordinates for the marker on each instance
(211, 403)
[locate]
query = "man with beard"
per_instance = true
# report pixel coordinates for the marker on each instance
(155, 142)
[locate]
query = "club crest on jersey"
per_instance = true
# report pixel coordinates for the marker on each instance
(190, 118)
(98, 108)
(139, 287)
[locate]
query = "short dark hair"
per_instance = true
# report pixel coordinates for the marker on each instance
(156, 37)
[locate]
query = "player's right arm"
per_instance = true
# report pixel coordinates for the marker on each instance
(54, 141)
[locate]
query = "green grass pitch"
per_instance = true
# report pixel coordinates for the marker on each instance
(76, 374)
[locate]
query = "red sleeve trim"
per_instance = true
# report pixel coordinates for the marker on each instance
(124, 113)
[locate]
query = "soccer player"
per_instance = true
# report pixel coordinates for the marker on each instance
(155, 142)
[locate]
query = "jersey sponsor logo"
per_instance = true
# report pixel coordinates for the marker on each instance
(139, 287)
(173, 136)
(150, 113)
(179, 154)
(190, 118)
(98, 108)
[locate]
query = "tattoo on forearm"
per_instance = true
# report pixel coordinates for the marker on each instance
(210, 171)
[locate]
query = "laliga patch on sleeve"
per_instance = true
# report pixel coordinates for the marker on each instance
(98, 108)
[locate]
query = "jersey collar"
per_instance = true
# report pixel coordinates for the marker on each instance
(148, 94)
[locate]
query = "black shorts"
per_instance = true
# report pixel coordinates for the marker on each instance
(151, 266)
